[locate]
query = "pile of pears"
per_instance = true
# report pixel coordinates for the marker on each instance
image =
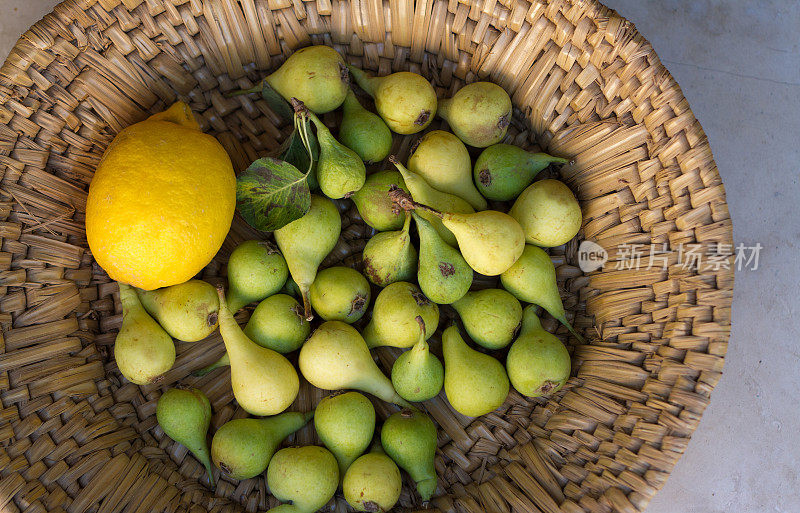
(487, 218)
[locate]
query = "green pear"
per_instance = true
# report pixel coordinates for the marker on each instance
(143, 350)
(278, 323)
(345, 423)
(394, 316)
(422, 192)
(372, 482)
(406, 101)
(443, 161)
(256, 270)
(490, 316)
(475, 383)
(502, 171)
(336, 357)
(532, 279)
(340, 171)
(307, 477)
(409, 438)
(389, 257)
(548, 213)
(184, 415)
(242, 448)
(316, 75)
(479, 113)
(374, 204)
(364, 132)
(188, 312)
(340, 294)
(417, 375)
(305, 242)
(263, 381)
(489, 241)
(538, 364)
(444, 276)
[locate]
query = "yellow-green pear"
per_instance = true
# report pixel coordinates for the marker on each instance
(502, 171)
(443, 161)
(490, 241)
(475, 383)
(305, 242)
(417, 375)
(143, 350)
(394, 316)
(422, 192)
(242, 448)
(256, 270)
(372, 482)
(406, 101)
(364, 132)
(491, 317)
(373, 201)
(184, 415)
(340, 171)
(443, 274)
(538, 364)
(390, 256)
(479, 113)
(316, 75)
(532, 279)
(345, 423)
(340, 294)
(278, 323)
(548, 213)
(409, 438)
(336, 357)
(263, 381)
(188, 311)
(305, 477)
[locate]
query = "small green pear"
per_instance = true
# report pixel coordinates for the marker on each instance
(278, 323)
(345, 423)
(184, 415)
(417, 375)
(340, 171)
(479, 113)
(372, 482)
(406, 101)
(394, 316)
(336, 357)
(502, 171)
(188, 312)
(263, 381)
(475, 383)
(538, 364)
(340, 294)
(422, 192)
(143, 350)
(374, 204)
(443, 274)
(306, 477)
(548, 212)
(256, 270)
(364, 132)
(409, 438)
(532, 279)
(316, 75)
(305, 242)
(443, 161)
(389, 257)
(490, 316)
(242, 448)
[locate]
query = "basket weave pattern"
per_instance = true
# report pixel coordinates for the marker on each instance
(75, 436)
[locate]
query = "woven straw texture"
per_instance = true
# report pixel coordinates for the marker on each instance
(75, 436)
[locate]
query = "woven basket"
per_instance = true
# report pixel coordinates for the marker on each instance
(75, 436)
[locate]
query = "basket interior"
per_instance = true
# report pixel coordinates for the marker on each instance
(585, 85)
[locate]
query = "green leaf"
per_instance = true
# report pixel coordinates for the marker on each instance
(272, 193)
(294, 152)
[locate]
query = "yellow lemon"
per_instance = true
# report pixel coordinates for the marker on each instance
(161, 201)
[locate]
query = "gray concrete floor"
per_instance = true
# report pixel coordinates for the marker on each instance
(738, 63)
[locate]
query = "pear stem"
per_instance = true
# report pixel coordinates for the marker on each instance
(404, 201)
